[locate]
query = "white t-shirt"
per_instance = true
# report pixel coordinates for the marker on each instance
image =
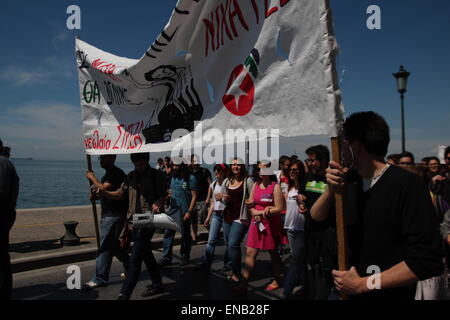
(369, 183)
(217, 188)
(278, 175)
(293, 220)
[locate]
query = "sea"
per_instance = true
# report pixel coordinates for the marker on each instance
(45, 184)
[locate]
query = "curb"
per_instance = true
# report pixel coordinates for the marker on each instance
(57, 259)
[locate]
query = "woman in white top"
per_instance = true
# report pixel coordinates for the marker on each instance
(215, 220)
(295, 226)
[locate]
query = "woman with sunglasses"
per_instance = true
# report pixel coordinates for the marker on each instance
(235, 192)
(215, 220)
(266, 230)
(295, 226)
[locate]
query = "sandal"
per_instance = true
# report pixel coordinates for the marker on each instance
(272, 287)
(230, 279)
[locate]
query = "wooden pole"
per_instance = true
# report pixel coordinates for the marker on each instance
(247, 155)
(94, 205)
(340, 219)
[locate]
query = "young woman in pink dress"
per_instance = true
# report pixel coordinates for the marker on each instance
(266, 230)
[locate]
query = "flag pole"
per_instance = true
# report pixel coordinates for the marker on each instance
(336, 141)
(247, 155)
(341, 232)
(94, 204)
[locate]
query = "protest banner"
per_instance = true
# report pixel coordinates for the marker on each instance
(227, 64)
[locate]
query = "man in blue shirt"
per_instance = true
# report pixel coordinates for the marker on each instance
(183, 192)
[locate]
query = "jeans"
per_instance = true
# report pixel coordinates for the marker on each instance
(295, 275)
(186, 241)
(216, 225)
(110, 228)
(235, 233)
(200, 212)
(141, 251)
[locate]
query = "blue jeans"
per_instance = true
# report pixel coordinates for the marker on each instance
(216, 225)
(141, 252)
(186, 241)
(235, 233)
(110, 228)
(297, 268)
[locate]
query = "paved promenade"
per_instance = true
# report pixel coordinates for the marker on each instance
(40, 263)
(37, 231)
(182, 283)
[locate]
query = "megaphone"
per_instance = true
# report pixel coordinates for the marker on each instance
(171, 220)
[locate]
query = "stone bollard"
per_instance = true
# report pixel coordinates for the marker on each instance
(70, 238)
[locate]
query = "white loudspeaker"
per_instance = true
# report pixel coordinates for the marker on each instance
(172, 220)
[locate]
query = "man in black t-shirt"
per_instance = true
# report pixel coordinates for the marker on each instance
(112, 221)
(393, 232)
(145, 190)
(318, 246)
(204, 180)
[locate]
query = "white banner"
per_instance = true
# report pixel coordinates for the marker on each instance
(218, 64)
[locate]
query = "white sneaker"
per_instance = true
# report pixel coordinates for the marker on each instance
(122, 275)
(92, 285)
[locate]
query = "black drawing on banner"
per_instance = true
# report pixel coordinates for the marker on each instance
(180, 107)
(82, 60)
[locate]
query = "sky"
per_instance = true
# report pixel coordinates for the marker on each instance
(40, 114)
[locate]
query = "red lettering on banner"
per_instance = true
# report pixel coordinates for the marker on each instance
(224, 23)
(268, 11)
(106, 68)
(255, 8)
(284, 2)
(96, 142)
(226, 16)
(103, 67)
(237, 12)
(129, 138)
(119, 127)
(209, 33)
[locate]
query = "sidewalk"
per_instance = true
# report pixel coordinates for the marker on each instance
(34, 239)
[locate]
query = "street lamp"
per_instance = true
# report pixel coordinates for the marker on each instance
(402, 84)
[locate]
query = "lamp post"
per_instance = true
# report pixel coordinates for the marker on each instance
(402, 84)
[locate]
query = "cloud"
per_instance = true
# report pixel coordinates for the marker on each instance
(60, 38)
(52, 69)
(53, 130)
(48, 70)
(20, 76)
